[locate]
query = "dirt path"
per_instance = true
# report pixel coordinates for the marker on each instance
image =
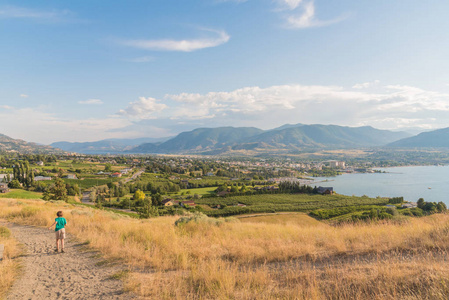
(75, 274)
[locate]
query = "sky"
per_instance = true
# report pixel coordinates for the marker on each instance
(88, 70)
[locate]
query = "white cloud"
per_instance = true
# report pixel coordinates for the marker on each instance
(366, 85)
(289, 4)
(186, 45)
(144, 108)
(24, 96)
(16, 12)
(38, 125)
(273, 106)
(307, 18)
(91, 102)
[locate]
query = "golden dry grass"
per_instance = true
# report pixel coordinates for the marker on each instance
(258, 260)
(299, 219)
(9, 266)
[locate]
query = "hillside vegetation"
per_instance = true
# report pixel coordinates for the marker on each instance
(204, 258)
(432, 139)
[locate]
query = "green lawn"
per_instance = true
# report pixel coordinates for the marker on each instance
(21, 194)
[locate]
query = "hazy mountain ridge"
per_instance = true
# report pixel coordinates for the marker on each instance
(8, 144)
(433, 139)
(284, 137)
(105, 146)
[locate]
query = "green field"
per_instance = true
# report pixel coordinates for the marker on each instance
(21, 194)
(283, 202)
(199, 191)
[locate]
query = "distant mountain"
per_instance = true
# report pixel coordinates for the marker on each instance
(105, 146)
(433, 139)
(8, 144)
(200, 139)
(219, 140)
(325, 136)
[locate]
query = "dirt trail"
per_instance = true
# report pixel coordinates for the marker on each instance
(74, 274)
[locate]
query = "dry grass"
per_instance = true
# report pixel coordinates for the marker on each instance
(9, 266)
(299, 219)
(259, 260)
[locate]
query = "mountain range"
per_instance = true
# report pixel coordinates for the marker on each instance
(226, 139)
(285, 137)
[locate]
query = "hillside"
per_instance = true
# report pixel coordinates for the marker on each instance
(432, 139)
(201, 139)
(104, 146)
(324, 136)
(285, 137)
(8, 144)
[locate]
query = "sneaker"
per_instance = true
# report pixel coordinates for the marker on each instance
(62, 251)
(56, 250)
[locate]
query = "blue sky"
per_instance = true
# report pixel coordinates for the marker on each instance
(88, 70)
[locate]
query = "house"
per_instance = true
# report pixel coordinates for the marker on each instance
(70, 176)
(40, 163)
(222, 193)
(188, 203)
(410, 205)
(116, 175)
(41, 178)
(4, 188)
(125, 171)
(325, 190)
(210, 174)
(169, 202)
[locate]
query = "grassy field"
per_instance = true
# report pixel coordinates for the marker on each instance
(284, 202)
(199, 191)
(231, 259)
(299, 219)
(21, 194)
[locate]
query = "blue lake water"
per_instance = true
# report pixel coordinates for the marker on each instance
(410, 182)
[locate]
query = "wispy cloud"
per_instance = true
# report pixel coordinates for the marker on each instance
(17, 12)
(186, 45)
(91, 102)
(289, 4)
(24, 96)
(307, 18)
(144, 108)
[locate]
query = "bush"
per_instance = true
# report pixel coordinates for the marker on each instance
(198, 218)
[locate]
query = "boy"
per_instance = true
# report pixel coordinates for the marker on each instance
(60, 230)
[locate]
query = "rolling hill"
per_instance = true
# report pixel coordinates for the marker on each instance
(8, 144)
(433, 139)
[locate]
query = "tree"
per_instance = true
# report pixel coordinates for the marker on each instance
(108, 168)
(139, 195)
(421, 203)
(14, 184)
(59, 190)
(156, 199)
(148, 210)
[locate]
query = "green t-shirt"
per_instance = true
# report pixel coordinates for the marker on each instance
(60, 223)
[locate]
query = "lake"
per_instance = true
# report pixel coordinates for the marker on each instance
(410, 182)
